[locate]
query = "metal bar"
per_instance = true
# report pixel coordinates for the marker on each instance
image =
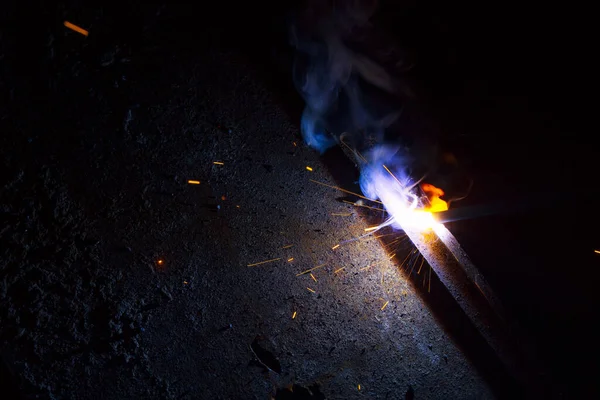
(479, 302)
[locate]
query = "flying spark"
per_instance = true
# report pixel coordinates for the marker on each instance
(310, 270)
(76, 28)
(264, 262)
(192, 182)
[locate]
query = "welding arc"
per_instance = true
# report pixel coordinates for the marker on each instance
(458, 274)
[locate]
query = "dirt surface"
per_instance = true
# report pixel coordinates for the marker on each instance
(119, 279)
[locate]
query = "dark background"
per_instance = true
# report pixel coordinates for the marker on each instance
(506, 83)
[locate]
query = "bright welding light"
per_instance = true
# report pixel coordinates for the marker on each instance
(398, 198)
(403, 211)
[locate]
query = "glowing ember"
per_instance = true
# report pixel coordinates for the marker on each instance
(309, 168)
(433, 195)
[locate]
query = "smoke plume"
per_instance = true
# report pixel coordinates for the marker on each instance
(348, 77)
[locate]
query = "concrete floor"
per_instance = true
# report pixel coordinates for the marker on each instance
(104, 133)
(99, 197)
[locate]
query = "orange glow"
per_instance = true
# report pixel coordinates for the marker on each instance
(160, 262)
(192, 182)
(76, 28)
(433, 195)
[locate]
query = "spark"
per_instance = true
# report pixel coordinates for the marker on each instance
(218, 163)
(359, 386)
(160, 262)
(429, 288)
(346, 191)
(294, 143)
(393, 176)
(406, 258)
(356, 152)
(192, 182)
(309, 168)
(365, 268)
(372, 228)
(310, 270)
(313, 277)
(395, 241)
(341, 214)
(294, 315)
(392, 256)
(335, 247)
(362, 205)
(264, 262)
(311, 290)
(290, 259)
(421, 266)
(76, 28)
(185, 282)
(413, 264)
(338, 270)
(597, 251)
(288, 246)
(385, 305)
